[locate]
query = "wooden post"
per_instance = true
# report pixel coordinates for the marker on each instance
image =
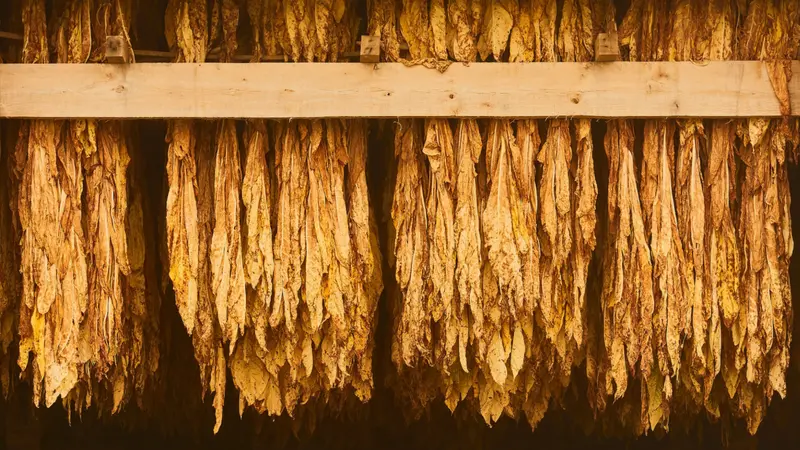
(370, 49)
(606, 47)
(117, 50)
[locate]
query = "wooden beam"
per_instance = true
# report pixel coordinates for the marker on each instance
(616, 89)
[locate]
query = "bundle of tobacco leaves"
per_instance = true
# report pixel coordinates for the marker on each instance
(273, 249)
(756, 357)
(190, 172)
(712, 206)
(491, 247)
(87, 334)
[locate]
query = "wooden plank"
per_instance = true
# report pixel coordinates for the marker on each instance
(617, 89)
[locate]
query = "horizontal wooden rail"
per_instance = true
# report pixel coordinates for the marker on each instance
(310, 90)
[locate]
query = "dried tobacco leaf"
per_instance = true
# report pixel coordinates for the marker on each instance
(365, 270)
(627, 301)
(670, 287)
(765, 234)
(498, 20)
(105, 167)
(507, 241)
(556, 217)
(259, 261)
(440, 207)
(415, 27)
(762, 335)
(413, 340)
(723, 257)
(227, 270)
(382, 22)
(460, 37)
(54, 259)
(467, 317)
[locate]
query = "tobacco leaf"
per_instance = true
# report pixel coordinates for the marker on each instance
(412, 342)
(498, 20)
(227, 270)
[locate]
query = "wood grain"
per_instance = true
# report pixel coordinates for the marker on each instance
(310, 90)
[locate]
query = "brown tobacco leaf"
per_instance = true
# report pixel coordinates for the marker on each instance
(525, 175)
(182, 216)
(521, 41)
(247, 361)
(34, 21)
(544, 30)
(440, 206)
(507, 242)
(292, 148)
(328, 285)
(576, 33)
(289, 247)
(229, 12)
(469, 307)
(415, 27)
(461, 41)
(190, 223)
(644, 31)
(584, 228)
(691, 206)
(322, 340)
(765, 233)
(723, 254)
(498, 20)
(556, 217)
(323, 19)
(627, 299)
(413, 340)
(259, 263)
(105, 167)
(257, 11)
(383, 24)
(227, 270)
(438, 20)
(301, 29)
(670, 288)
(207, 335)
(186, 29)
(365, 270)
(44, 244)
(53, 255)
(274, 31)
